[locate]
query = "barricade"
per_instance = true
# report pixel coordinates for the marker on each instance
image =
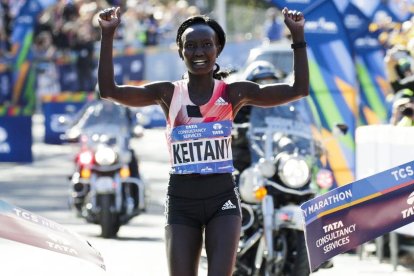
(15, 135)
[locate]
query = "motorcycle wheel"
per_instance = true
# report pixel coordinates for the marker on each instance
(297, 263)
(109, 222)
(291, 255)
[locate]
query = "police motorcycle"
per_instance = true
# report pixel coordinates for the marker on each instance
(285, 170)
(106, 185)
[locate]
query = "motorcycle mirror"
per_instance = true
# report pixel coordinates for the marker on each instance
(66, 138)
(64, 121)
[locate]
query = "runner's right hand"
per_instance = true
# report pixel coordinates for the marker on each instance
(109, 19)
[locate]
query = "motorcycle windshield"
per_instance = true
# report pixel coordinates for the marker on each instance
(293, 128)
(104, 118)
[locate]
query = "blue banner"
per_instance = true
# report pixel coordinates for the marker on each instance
(129, 68)
(16, 139)
(378, 10)
(333, 81)
(402, 10)
(353, 214)
(5, 85)
(126, 68)
(382, 13)
(369, 61)
(54, 112)
(68, 77)
(23, 93)
(367, 7)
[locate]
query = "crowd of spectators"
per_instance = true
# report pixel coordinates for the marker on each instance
(69, 29)
(398, 41)
(6, 16)
(72, 23)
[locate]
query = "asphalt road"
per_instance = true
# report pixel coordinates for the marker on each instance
(42, 187)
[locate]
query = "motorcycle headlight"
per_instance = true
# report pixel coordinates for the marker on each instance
(267, 168)
(294, 171)
(250, 180)
(105, 156)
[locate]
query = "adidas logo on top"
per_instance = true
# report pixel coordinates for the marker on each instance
(221, 101)
(228, 205)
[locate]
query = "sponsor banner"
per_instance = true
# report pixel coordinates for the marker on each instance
(28, 228)
(204, 168)
(367, 7)
(333, 83)
(358, 212)
(369, 61)
(401, 10)
(68, 77)
(16, 139)
(131, 68)
(378, 9)
(201, 130)
(5, 83)
(23, 77)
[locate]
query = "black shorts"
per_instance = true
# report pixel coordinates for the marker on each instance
(196, 210)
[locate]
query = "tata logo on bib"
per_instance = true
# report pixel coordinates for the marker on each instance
(217, 129)
(4, 146)
(217, 126)
(321, 26)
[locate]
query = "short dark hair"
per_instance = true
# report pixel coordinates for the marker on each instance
(201, 19)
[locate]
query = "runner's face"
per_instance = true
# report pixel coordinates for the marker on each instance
(199, 49)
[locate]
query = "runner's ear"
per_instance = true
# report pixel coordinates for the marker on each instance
(219, 49)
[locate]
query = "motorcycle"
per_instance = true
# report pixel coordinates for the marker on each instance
(106, 186)
(286, 170)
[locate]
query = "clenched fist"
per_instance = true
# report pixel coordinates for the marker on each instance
(109, 19)
(107, 14)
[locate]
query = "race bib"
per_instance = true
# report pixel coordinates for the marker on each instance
(202, 148)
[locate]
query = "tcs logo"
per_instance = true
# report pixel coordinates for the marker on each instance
(403, 173)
